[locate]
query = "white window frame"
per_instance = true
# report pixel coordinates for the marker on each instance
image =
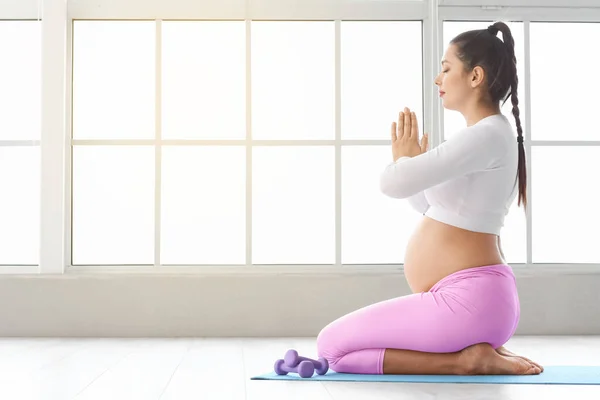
(522, 3)
(21, 9)
(53, 143)
(56, 141)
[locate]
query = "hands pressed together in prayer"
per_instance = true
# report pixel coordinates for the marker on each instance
(405, 136)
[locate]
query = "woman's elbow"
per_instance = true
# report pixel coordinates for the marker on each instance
(392, 188)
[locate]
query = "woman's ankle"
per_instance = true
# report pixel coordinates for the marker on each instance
(409, 362)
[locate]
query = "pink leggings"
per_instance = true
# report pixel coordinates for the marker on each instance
(475, 305)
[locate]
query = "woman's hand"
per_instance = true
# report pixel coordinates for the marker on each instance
(405, 136)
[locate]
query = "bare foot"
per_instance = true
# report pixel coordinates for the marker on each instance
(503, 351)
(482, 359)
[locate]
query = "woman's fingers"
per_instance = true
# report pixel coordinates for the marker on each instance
(414, 132)
(424, 143)
(400, 128)
(407, 123)
(407, 126)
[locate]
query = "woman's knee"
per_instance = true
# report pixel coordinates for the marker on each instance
(324, 342)
(332, 342)
(328, 346)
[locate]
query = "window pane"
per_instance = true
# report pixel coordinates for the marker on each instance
(19, 205)
(550, 82)
(293, 202)
(453, 120)
(293, 80)
(20, 80)
(204, 80)
(203, 205)
(113, 205)
(381, 66)
(565, 202)
(375, 228)
(113, 79)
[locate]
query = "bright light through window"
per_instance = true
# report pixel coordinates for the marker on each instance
(293, 80)
(20, 120)
(113, 205)
(565, 202)
(203, 80)
(19, 205)
(576, 90)
(203, 201)
(382, 72)
(293, 205)
(203, 205)
(114, 79)
(20, 80)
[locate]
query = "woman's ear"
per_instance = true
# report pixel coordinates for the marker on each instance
(477, 76)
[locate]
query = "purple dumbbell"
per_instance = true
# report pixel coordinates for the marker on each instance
(292, 359)
(305, 369)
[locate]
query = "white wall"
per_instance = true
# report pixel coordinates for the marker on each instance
(253, 305)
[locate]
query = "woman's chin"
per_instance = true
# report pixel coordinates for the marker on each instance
(446, 105)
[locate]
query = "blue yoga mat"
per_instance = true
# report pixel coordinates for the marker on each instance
(552, 375)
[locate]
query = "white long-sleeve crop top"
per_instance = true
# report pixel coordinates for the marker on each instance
(468, 181)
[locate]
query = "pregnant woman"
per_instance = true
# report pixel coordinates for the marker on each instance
(464, 306)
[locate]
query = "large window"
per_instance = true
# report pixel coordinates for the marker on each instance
(20, 117)
(246, 133)
(194, 143)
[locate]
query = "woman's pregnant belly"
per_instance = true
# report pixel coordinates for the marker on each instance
(436, 250)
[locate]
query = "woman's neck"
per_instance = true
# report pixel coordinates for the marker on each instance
(480, 112)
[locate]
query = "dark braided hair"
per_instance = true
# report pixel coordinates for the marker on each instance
(484, 48)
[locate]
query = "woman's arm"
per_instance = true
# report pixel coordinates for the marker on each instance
(467, 151)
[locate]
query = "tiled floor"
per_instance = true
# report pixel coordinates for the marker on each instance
(110, 369)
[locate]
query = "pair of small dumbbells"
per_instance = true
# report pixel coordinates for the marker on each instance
(305, 367)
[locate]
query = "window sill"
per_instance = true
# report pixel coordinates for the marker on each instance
(520, 270)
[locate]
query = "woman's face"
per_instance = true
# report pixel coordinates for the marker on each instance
(453, 82)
